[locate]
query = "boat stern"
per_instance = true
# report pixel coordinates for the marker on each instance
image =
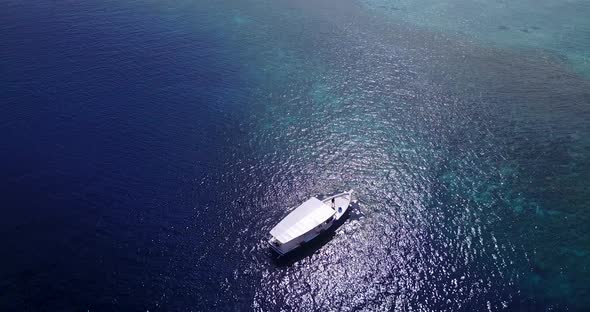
(276, 246)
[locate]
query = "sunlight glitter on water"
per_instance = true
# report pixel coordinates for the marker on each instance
(402, 117)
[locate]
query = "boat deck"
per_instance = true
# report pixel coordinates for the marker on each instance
(339, 202)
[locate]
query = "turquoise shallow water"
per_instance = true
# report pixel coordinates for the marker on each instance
(560, 28)
(469, 155)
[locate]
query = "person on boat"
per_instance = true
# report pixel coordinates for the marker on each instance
(333, 203)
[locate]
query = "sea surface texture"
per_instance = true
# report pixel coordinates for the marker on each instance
(148, 147)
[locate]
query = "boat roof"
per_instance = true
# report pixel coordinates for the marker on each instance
(301, 220)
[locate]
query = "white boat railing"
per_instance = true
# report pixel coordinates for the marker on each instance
(339, 195)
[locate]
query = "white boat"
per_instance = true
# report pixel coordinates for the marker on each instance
(307, 221)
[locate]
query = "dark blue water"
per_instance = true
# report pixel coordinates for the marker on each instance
(148, 148)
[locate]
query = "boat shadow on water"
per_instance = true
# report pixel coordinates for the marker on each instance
(312, 246)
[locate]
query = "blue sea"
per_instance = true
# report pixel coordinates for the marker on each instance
(148, 147)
